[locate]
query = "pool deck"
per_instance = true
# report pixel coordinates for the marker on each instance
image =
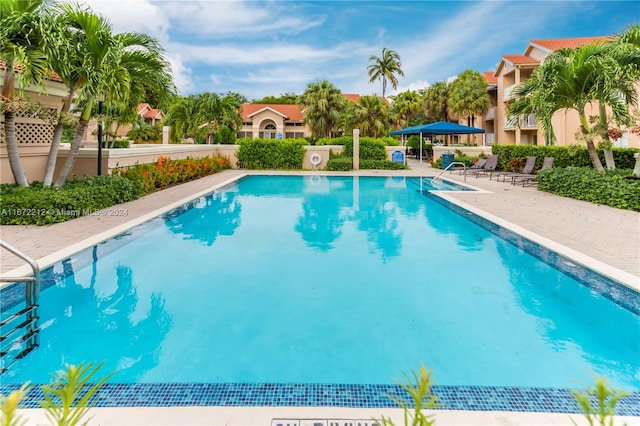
(602, 237)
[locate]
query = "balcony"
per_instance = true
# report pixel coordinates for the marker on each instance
(510, 122)
(528, 122)
(491, 114)
(507, 91)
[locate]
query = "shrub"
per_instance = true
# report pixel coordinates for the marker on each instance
(37, 205)
(370, 149)
(271, 153)
(119, 143)
(339, 164)
(563, 156)
(609, 188)
(517, 164)
(170, 172)
(381, 165)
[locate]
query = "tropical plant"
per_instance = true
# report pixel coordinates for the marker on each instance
(407, 106)
(575, 78)
(111, 65)
(68, 399)
(607, 399)
(284, 98)
(323, 105)
(371, 115)
(20, 47)
(419, 388)
(436, 101)
(9, 407)
(468, 96)
(385, 68)
(201, 116)
(143, 132)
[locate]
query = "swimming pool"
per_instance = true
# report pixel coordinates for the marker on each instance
(340, 281)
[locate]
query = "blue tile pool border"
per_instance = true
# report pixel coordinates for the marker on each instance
(473, 398)
(620, 294)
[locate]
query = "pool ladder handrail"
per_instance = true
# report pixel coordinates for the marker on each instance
(464, 166)
(29, 312)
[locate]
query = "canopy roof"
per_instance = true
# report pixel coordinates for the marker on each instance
(439, 128)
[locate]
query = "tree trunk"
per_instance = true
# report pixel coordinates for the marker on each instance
(73, 153)
(608, 153)
(12, 149)
(593, 154)
(55, 143)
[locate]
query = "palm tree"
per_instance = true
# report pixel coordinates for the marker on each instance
(20, 46)
(468, 96)
(436, 101)
(107, 64)
(407, 105)
(204, 114)
(572, 79)
(371, 115)
(385, 68)
(322, 104)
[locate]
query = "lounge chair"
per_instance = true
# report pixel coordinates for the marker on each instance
(489, 167)
(547, 163)
(526, 170)
(478, 165)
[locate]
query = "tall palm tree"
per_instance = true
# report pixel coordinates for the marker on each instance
(385, 68)
(407, 105)
(106, 64)
(20, 46)
(371, 115)
(468, 96)
(322, 105)
(435, 100)
(182, 116)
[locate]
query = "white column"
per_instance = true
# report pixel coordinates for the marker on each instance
(165, 135)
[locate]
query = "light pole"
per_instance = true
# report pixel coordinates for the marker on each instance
(99, 136)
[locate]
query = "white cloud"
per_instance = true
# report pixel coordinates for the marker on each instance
(181, 74)
(133, 16)
(237, 18)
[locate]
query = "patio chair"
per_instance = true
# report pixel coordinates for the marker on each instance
(547, 163)
(489, 167)
(527, 169)
(478, 165)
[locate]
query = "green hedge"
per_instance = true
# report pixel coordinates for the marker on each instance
(344, 164)
(36, 205)
(339, 164)
(584, 183)
(348, 140)
(382, 165)
(271, 153)
(563, 156)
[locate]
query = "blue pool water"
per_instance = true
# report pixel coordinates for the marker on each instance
(340, 280)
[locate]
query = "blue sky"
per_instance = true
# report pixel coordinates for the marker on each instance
(260, 48)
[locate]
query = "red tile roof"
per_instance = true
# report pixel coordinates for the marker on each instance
(18, 68)
(292, 112)
(569, 43)
(152, 113)
(141, 107)
(519, 59)
(489, 77)
(352, 97)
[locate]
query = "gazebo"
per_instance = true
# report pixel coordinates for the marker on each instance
(439, 128)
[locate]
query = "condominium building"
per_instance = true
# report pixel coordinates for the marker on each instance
(276, 121)
(514, 69)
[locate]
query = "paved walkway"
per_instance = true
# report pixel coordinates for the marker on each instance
(609, 235)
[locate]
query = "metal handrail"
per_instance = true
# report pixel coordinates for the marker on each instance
(32, 294)
(449, 166)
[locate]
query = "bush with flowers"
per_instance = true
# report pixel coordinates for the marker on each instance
(166, 172)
